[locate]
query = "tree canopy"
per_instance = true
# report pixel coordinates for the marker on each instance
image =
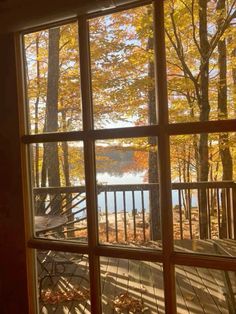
(201, 71)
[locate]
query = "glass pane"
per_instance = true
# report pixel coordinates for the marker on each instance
(63, 282)
(200, 60)
(128, 193)
(53, 79)
(201, 290)
(59, 190)
(204, 192)
(130, 286)
(123, 86)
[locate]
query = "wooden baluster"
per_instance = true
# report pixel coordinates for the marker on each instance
(143, 216)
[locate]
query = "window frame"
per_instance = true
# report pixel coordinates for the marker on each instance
(163, 130)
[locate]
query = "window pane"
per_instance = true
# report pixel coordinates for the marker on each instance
(53, 79)
(59, 190)
(63, 282)
(203, 192)
(128, 194)
(130, 286)
(200, 60)
(201, 290)
(122, 67)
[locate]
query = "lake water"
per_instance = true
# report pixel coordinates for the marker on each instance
(128, 178)
(130, 202)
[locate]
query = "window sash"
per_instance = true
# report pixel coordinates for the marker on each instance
(163, 130)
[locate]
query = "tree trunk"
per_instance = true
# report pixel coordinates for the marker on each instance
(224, 149)
(66, 167)
(50, 167)
(52, 106)
(40, 202)
(233, 56)
(66, 171)
(36, 113)
(155, 215)
(204, 116)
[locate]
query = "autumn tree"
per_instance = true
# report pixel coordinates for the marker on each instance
(123, 44)
(194, 45)
(200, 55)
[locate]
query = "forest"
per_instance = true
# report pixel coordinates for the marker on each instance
(201, 74)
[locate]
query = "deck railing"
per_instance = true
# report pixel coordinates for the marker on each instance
(218, 213)
(125, 211)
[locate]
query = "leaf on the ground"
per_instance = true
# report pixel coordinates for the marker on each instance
(54, 297)
(125, 303)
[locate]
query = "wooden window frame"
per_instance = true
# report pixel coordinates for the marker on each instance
(163, 130)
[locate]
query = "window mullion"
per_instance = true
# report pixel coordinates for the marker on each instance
(164, 158)
(90, 175)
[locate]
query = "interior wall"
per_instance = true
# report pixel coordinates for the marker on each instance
(13, 284)
(21, 14)
(32, 13)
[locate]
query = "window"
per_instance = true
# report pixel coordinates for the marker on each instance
(130, 162)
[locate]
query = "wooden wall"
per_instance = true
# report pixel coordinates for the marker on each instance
(13, 285)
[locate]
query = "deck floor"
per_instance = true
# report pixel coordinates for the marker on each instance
(130, 286)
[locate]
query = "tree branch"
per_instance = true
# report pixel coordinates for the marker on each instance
(220, 32)
(179, 51)
(191, 11)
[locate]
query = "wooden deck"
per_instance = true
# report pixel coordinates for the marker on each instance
(201, 290)
(130, 286)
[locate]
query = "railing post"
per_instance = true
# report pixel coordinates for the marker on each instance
(107, 220)
(218, 212)
(116, 223)
(229, 214)
(180, 215)
(68, 208)
(234, 209)
(125, 222)
(155, 214)
(224, 225)
(189, 208)
(209, 204)
(134, 213)
(143, 216)
(203, 219)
